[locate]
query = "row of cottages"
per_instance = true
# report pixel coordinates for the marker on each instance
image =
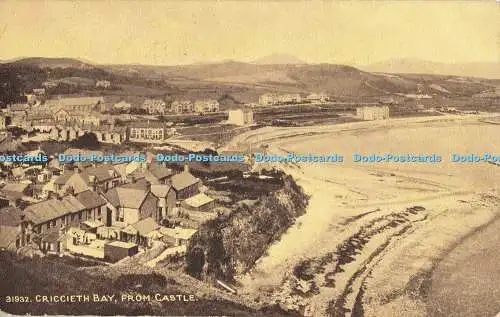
(182, 106)
(158, 106)
(68, 117)
(271, 99)
(207, 105)
(149, 132)
(17, 113)
(155, 106)
(318, 97)
(103, 84)
(372, 113)
(56, 213)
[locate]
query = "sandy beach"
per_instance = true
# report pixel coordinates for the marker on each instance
(373, 233)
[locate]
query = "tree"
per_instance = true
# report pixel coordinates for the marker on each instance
(87, 141)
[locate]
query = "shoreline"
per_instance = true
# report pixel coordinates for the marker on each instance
(432, 275)
(369, 276)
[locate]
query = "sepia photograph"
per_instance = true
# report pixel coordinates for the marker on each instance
(250, 158)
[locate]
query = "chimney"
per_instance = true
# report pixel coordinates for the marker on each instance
(186, 167)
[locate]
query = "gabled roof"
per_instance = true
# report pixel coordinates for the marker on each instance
(76, 101)
(183, 180)
(90, 199)
(126, 197)
(160, 171)
(142, 184)
(145, 226)
(160, 190)
(52, 209)
(15, 187)
(102, 173)
(198, 200)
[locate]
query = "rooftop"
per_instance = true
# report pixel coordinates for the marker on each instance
(198, 200)
(90, 199)
(178, 232)
(126, 197)
(121, 244)
(183, 180)
(52, 209)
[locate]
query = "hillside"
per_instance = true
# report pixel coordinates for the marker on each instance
(278, 59)
(244, 82)
(47, 276)
(43, 62)
(415, 66)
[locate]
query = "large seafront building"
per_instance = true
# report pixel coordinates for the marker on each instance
(240, 117)
(372, 113)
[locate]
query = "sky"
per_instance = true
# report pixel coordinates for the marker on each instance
(183, 32)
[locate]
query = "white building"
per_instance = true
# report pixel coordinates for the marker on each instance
(208, 105)
(372, 113)
(318, 97)
(240, 117)
(103, 84)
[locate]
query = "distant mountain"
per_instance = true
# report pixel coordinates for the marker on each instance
(278, 59)
(416, 66)
(50, 62)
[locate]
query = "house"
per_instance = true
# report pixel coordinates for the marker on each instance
(157, 174)
(208, 105)
(317, 97)
(372, 113)
(240, 117)
(102, 177)
(149, 132)
(199, 202)
(268, 99)
(122, 106)
(18, 113)
(116, 250)
(10, 228)
(166, 200)
(182, 106)
(77, 118)
(44, 122)
(78, 104)
(103, 84)
(17, 173)
(185, 184)
(12, 193)
(129, 205)
(39, 218)
(154, 106)
(110, 134)
(290, 98)
(177, 236)
(95, 206)
(142, 232)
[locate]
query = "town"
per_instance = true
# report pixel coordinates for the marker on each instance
(114, 210)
